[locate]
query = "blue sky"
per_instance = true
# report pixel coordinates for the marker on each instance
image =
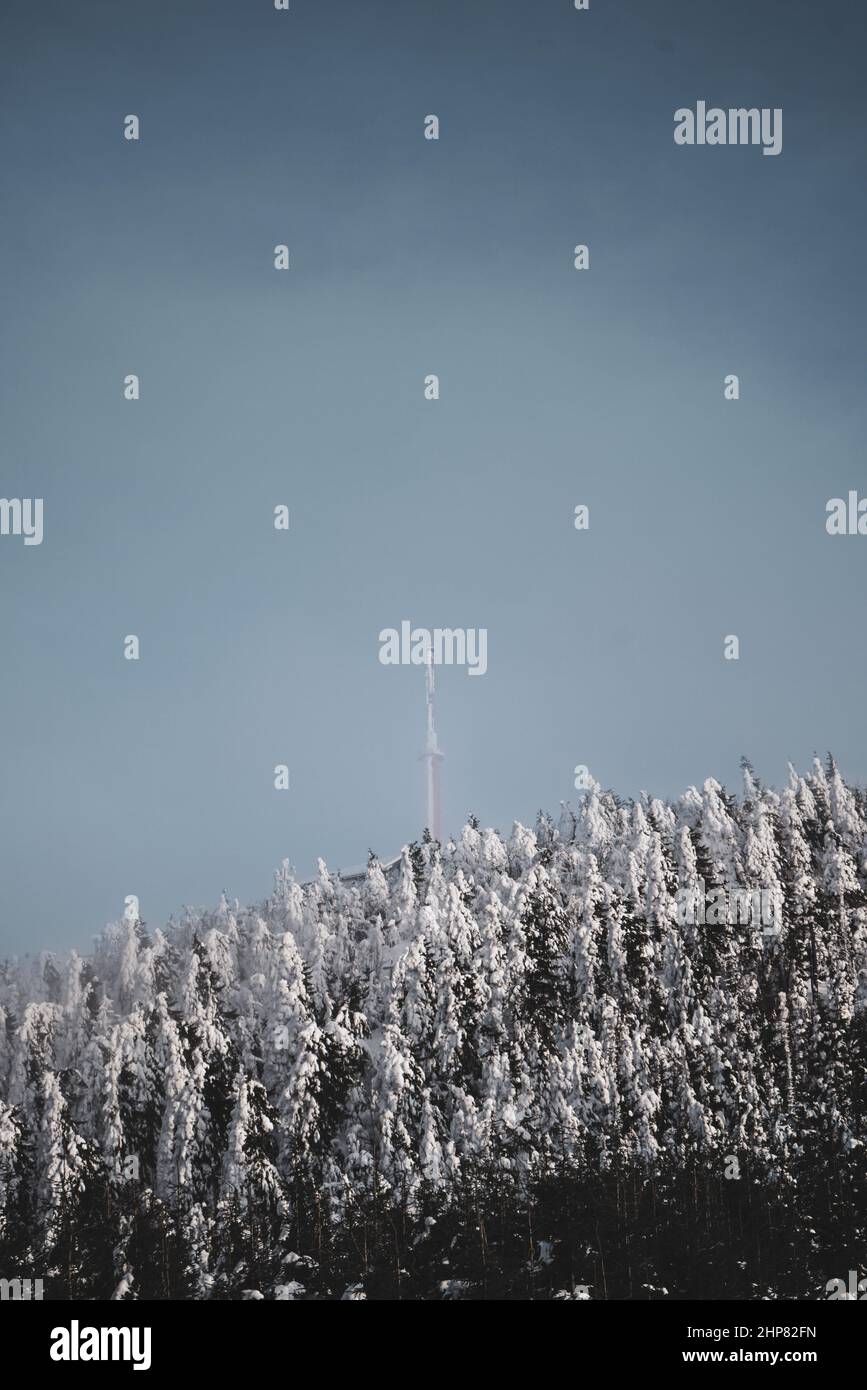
(306, 387)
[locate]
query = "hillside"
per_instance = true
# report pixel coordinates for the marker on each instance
(512, 1067)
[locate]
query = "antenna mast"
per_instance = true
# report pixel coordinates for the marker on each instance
(432, 757)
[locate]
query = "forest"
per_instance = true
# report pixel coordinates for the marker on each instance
(503, 1067)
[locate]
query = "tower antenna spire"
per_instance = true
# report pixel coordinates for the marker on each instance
(432, 758)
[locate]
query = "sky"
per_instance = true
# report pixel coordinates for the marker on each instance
(305, 387)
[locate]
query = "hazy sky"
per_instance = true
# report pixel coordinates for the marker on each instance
(305, 387)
